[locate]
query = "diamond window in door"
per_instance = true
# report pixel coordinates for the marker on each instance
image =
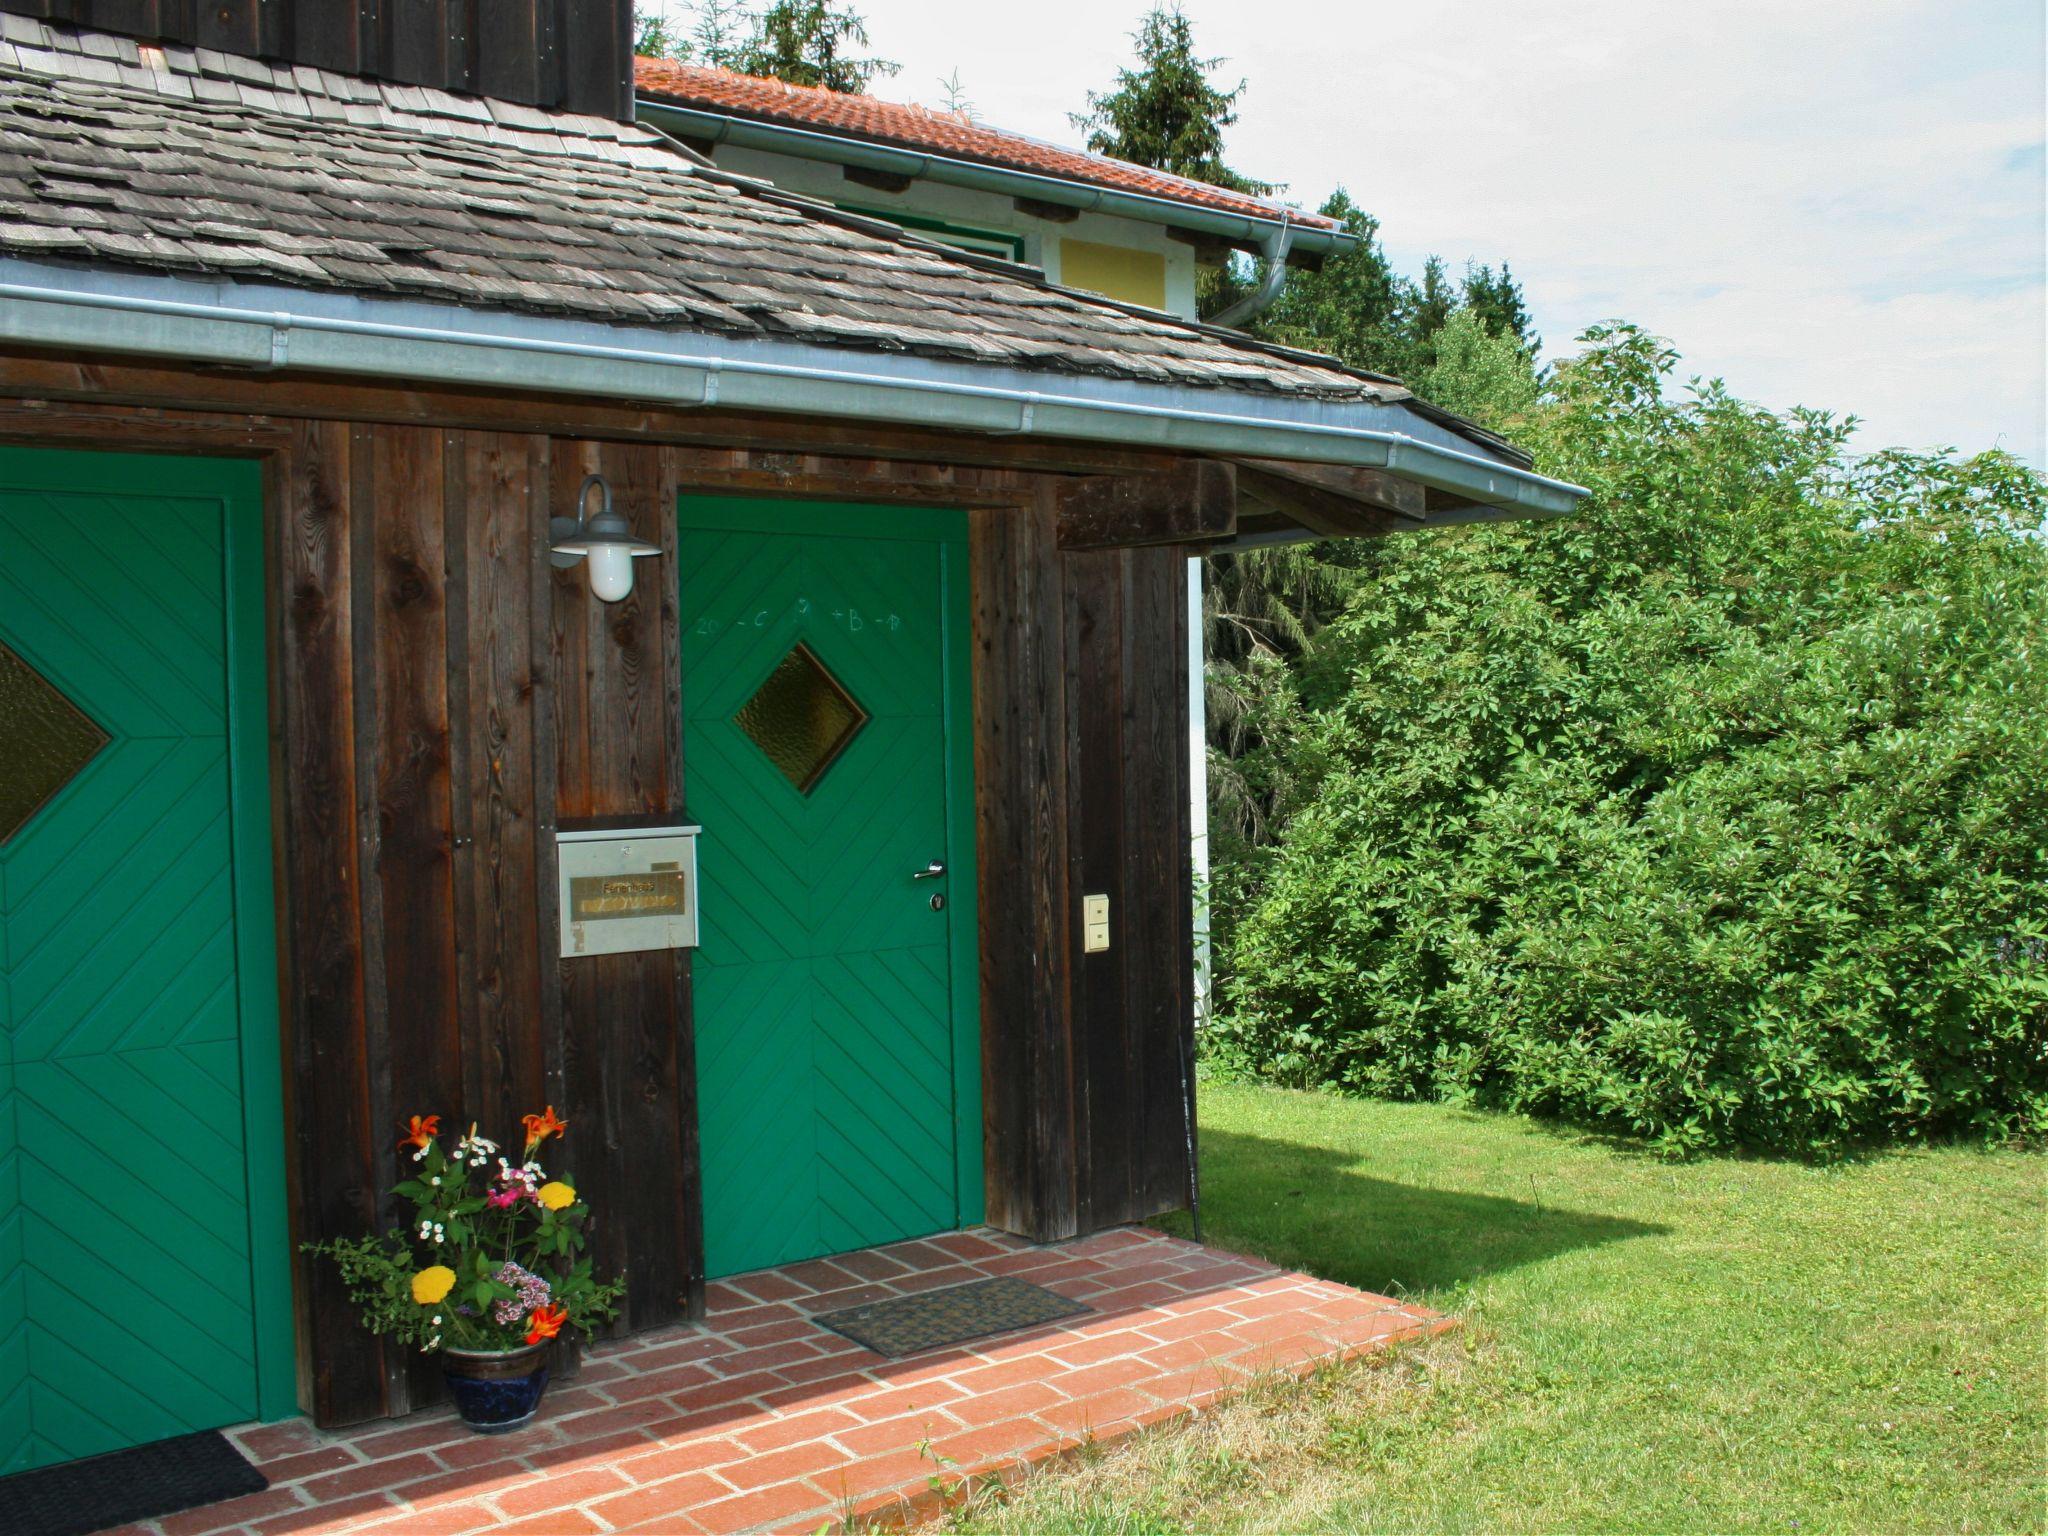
(801, 718)
(44, 740)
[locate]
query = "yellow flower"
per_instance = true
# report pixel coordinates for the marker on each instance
(556, 1195)
(432, 1283)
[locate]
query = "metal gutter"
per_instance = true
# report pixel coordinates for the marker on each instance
(811, 144)
(267, 327)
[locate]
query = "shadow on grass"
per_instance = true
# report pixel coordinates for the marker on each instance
(1308, 1207)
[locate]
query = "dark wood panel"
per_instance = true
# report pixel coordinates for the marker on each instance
(1194, 500)
(417, 1064)
(514, 50)
(572, 54)
(1022, 754)
(1081, 764)
(1099, 641)
(343, 1372)
(497, 498)
(1158, 1001)
(622, 1031)
(779, 455)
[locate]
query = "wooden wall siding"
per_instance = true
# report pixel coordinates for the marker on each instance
(573, 54)
(1081, 769)
(442, 696)
(447, 695)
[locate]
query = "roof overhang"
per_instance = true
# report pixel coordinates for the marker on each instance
(270, 326)
(700, 126)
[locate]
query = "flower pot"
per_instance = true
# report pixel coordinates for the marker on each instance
(496, 1390)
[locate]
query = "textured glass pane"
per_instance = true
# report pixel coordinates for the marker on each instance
(801, 718)
(44, 740)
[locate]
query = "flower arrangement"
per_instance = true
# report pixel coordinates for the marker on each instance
(491, 1258)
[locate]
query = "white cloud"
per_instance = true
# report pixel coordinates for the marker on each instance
(1831, 204)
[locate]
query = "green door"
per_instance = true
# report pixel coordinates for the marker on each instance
(143, 1273)
(827, 755)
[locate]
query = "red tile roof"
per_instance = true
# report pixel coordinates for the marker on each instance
(921, 128)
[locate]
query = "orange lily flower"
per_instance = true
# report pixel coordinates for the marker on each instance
(421, 1130)
(540, 1127)
(544, 1323)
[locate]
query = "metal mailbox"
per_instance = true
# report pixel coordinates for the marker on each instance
(627, 887)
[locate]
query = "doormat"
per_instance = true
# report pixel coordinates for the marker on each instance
(908, 1324)
(125, 1486)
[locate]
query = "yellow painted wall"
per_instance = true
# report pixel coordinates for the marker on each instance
(1115, 271)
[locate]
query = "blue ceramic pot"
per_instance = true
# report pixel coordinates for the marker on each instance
(496, 1390)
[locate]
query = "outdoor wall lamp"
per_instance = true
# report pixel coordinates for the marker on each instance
(604, 540)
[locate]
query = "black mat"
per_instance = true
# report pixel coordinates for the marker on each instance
(907, 1324)
(122, 1486)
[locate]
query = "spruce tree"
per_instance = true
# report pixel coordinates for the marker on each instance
(1497, 301)
(809, 42)
(1166, 113)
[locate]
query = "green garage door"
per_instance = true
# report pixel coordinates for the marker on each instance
(143, 1276)
(827, 754)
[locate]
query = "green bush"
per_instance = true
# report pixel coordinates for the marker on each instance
(1716, 813)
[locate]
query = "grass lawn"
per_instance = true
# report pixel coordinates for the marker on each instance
(1718, 1346)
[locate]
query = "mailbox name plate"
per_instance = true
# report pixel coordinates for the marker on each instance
(602, 898)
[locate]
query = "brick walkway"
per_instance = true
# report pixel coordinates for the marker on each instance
(760, 1419)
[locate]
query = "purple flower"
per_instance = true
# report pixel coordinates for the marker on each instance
(532, 1292)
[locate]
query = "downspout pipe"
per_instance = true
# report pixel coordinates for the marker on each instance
(1253, 304)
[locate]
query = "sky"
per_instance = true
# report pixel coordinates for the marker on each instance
(1827, 204)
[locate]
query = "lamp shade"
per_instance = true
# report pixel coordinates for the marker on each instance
(606, 542)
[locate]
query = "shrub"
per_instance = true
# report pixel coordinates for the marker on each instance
(1716, 813)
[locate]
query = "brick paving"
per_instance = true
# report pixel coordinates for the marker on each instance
(758, 1419)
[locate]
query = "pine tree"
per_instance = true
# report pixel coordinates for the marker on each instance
(807, 42)
(1165, 113)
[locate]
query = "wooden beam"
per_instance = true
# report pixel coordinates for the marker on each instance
(1193, 502)
(339, 397)
(1320, 511)
(881, 181)
(1212, 248)
(1373, 488)
(1057, 213)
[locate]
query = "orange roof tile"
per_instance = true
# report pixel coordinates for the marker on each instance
(921, 128)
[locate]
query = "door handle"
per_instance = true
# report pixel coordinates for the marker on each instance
(931, 871)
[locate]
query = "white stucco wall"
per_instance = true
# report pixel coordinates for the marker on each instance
(982, 210)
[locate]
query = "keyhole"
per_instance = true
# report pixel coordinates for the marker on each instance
(938, 902)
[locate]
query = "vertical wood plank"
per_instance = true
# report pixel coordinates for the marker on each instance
(613, 667)
(1159, 996)
(504, 1055)
(689, 1162)
(410, 658)
(596, 52)
(415, 41)
(508, 50)
(369, 932)
(573, 54)
(1022, 757)
(1099, 650)
(328, 36)
(233, 26)
(335, 1129)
